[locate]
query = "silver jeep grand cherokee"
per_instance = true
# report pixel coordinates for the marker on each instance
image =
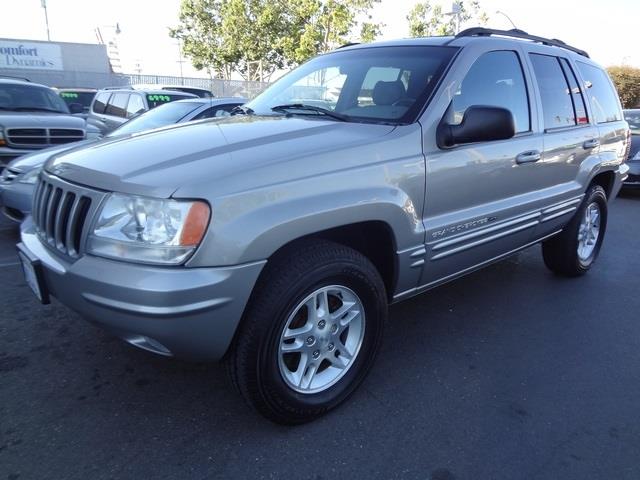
(276, 238)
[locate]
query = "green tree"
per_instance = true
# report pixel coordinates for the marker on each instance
(627, 82)
(258, 37)
(426, 19)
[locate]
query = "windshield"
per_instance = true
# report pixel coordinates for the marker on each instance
(633, 119)
(83, 98)
(379, 84)
(161, 116)
(24, 98)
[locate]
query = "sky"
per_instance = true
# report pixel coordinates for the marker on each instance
(605, 29)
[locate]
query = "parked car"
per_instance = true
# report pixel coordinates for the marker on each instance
(276, 239)
(632, 117)
(19, 178)
(197, 91)
(81, 96)
(112, 107)
(33, 117)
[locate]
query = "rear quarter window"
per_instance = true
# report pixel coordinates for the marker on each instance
(601, 93)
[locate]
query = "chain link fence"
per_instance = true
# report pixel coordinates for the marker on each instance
(220, 88)
(66, 78)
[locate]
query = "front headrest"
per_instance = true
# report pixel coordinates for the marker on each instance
(387, 93)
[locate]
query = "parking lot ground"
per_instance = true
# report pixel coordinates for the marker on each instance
(509, 373)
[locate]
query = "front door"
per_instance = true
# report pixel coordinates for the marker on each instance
(480, 197)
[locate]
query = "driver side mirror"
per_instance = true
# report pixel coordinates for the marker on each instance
(76, 108)
(479, 124)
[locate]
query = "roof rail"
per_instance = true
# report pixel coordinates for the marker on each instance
(11, 77)
(350, 44)
(517, 33)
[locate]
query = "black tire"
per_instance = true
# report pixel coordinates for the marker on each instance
(289, 278)
(560, 253)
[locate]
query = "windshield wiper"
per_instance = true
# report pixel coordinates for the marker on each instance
(36, 109)
(310, 108)
(241, 110)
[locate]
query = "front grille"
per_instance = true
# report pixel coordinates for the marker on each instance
(60, 213)
(42, 137)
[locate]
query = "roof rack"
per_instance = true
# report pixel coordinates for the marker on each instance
(11, 77)
(350, 44)
(517, 33)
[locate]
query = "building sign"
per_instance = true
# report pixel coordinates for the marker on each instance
(32, 56)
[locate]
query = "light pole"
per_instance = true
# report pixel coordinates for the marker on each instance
(456, 11)
(46, 18)
(498, 12)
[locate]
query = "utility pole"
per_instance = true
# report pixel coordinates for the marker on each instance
(456, 11)
(180, 61)
(46, 18)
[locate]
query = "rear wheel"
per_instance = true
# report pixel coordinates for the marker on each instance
(575, 249)
(310, 332)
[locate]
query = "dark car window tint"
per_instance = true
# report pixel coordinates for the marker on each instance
(101, 102)
(576, 93)
(217, 111)
(135, 105)
(30, 98)
(557, 106)
(117, 105)
(604, 100)
(496, 80)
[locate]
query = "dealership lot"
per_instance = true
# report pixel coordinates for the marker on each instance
(509, 373)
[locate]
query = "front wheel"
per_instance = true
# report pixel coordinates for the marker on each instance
(310, 332)
(575, 249)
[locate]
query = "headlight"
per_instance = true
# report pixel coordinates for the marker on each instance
(30, 176)
(148, 230)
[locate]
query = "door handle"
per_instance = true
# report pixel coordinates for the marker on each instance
(528, 156)
(591, 143)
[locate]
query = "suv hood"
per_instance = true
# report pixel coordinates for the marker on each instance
(40, 120)
(37, 159)
(158, 162)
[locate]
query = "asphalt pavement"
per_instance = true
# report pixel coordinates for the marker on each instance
(509, 373)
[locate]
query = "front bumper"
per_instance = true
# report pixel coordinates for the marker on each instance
(633, 178)
(190, 313)
(15, 199)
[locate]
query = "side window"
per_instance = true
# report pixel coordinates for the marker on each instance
(496, 80)
(135, 105)
(117, 105)
(101, 102)
(217, 111)
(557, 103)
(576, 92)
(598, 87)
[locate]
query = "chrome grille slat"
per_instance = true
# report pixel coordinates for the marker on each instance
(60, 213)
(51, 208)
(60, 221)
(44, 201)
(72, 222)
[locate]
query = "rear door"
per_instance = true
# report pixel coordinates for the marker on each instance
(116, 112)
(607, 112)
(97, 116)
(480, 197)
(570, 140)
